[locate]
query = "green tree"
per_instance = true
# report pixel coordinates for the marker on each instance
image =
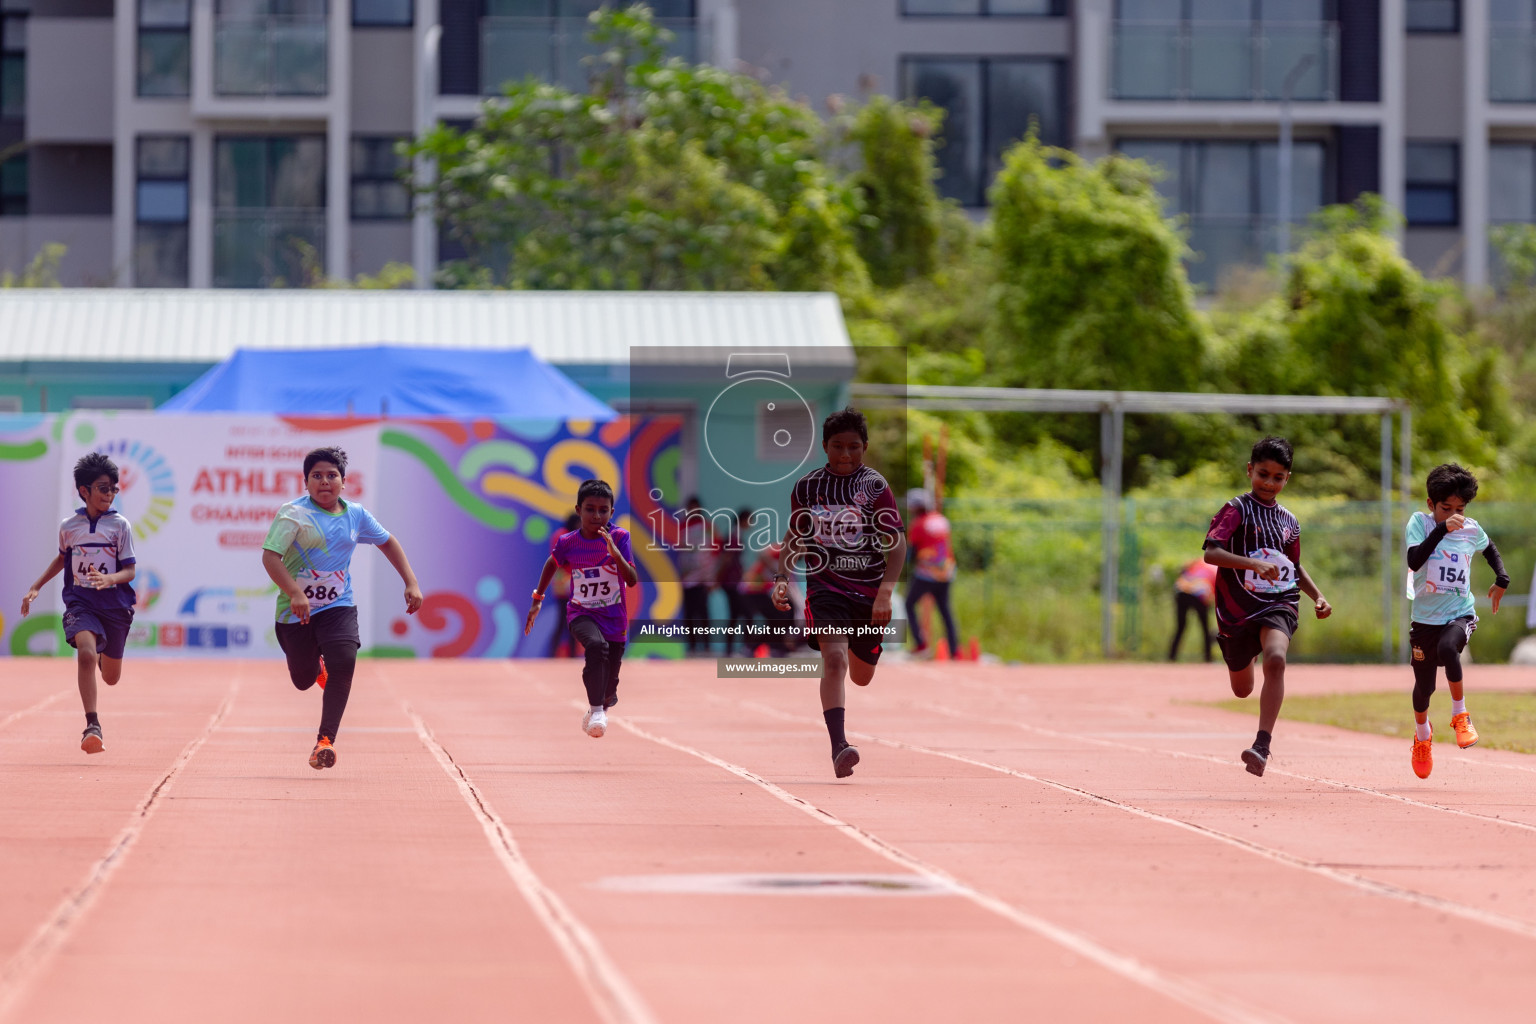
(898, 234)
(41, 272)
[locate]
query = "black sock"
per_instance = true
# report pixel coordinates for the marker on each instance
(834, 717)
(1262, 742)
(91, 719)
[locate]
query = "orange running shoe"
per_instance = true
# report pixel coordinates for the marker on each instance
(1423, 756)
(1466, 736)
(324, 675)
(324, 755)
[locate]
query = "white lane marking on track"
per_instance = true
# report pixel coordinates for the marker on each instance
(56, 930)
(16, 716)
(611, 993)
(1492, 819)
(1214, 1004)
(1525, 929)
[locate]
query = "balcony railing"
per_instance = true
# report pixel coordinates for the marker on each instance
(1197, 60)
(552, 49)
(277, 56)
(1512, 64)
(263, 248)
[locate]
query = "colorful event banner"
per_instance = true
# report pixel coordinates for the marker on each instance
(475, 504)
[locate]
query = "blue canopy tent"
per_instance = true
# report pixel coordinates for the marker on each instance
(391, 381)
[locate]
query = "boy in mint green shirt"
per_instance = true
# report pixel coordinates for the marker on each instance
(1441, 545)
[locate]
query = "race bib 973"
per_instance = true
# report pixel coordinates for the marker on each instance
(597, 587)
(1252, 581)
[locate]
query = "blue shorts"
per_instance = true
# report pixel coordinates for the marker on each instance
(110, 627)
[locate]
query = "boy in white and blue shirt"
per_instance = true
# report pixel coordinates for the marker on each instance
(96, 555)
(1441, 545)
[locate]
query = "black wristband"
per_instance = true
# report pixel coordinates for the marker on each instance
(779, 577)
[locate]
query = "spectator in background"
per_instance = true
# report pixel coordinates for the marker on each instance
(560, 592)
(933, 567)
(696, 555)
(729, 573)
(1194, 591)
(756, 595)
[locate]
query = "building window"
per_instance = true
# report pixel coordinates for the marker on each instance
(162, 200)
(1433, 195)
(1434, 15)
(1512, 183)
(989, 105)
(581, 8)
(165, 48)
(984, 8)
(378, 193)
(1228, 192)
(13, 59)
(268, 210)
(383, 13)
(13, 187)
(548, 40)
(271, 48)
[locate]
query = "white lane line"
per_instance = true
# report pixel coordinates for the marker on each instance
(1492, 819)
(16, 716)
(1210, 1002)
(616, 1000)
(22, 968)
(1514, 925)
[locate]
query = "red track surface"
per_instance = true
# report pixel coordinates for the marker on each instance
(1109, 858)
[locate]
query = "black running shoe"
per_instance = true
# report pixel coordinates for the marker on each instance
(1255, 759)
(90, 740)
(844, 760)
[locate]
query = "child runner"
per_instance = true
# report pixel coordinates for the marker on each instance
(1255, 544)
(96, 554)
(601, 565)
(1441, 543)
(845, 535)
(308, 554)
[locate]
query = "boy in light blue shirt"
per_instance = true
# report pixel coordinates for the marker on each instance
(1441, 545)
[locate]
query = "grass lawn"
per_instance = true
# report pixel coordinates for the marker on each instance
(1504, 721)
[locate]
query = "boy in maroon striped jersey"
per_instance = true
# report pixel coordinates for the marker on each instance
(845, 534)
(1255, 544)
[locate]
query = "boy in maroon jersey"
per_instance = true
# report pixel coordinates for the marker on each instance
(1255, 544)
(845, 535)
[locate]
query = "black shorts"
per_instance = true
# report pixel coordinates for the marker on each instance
(1244, 643)
(1425, 639)
(304, 642)
(109, 625)
(827, 607)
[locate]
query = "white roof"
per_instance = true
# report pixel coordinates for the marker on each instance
(206, 326)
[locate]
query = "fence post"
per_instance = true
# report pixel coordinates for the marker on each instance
(1111, 443)
(1389, 574)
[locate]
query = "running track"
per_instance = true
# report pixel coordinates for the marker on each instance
(1103, 856)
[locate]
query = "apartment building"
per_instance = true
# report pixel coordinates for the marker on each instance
(246, 143)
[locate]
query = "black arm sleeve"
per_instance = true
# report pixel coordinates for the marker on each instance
(1419, 555)
(1501, 578)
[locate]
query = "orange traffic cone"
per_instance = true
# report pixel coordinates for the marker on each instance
(941, 650)
(974, 654)
(761, 652)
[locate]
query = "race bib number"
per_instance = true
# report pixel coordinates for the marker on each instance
(1252, 581)
(840, 527)
(87, 562)
(597, 587)
(322, 588)
(1446, 572)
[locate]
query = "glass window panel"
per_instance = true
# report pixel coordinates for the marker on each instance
(165, 64)
(380, 199)
(941, 6)
(1166, 156)
(382, 12)
(1512, 183)
(240, 173)
(1151, 10)
(1220, 61)
(1432, 162)
(162, 202)
(1307, 180)
(1238, 12)
(1293, 10)
(298, 173)
(160, 256)
(164, 157)
(13, 34)
(298, 58)
(1223, 180)
(520, 8)
(165, 13)
(13, 176)
(1432, 205)
(13, 86)
(1019, 93)
(1510, 12)
(576, 8)
(955, 86)
(1434, 15)
(16, 6)
(1147, 61)
(243, 10)
(673, 8)
(1035, 7)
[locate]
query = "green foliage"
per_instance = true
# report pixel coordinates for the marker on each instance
(898, 236)
(41, 272)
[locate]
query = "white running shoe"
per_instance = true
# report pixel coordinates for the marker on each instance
(596, 723)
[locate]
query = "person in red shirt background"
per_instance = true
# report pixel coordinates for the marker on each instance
(1194, 591)
(933, 567)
